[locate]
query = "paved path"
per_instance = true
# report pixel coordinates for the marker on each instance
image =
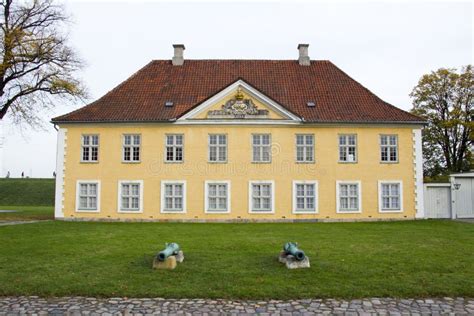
(123, 306)
(6, 223)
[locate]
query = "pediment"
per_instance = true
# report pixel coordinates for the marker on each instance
(239, 102)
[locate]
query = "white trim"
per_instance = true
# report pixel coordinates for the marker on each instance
(316, 196)
(454, 214)
(162, 206)
(400, 183)
(119, 197)
(206, 195)
(418, 170)
(60, 171)
(251, 182)
(359, 186)
(236, 122)
(250, 90)
(78, 184)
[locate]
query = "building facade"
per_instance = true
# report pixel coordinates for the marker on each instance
(239, 140)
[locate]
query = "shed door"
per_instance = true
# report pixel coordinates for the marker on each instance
(464, 198)
(437, 202)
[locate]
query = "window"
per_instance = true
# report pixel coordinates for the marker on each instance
(304, 148)
(130, 196)
(217, 148)
(261, 197)
(348, 197)
(217, 196)
(88, 194)
(390, 196)
(389, 148)
(90, 148)
(131, 148)
(174, 148)
(261, 147)
(305, 197)
(347, 148)
(173, 196)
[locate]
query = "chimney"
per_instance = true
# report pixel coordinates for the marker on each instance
(178, 59)
(303, 59)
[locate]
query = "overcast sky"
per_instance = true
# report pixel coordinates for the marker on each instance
(386, 46)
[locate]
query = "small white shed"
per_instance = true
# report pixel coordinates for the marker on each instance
(462, 191)
(450, 200)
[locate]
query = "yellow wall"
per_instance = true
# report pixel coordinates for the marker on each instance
(239, 169)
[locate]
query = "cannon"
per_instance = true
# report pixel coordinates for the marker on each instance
(171, 249)
(291, 248)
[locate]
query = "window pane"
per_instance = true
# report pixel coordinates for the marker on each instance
(256, 139)
(178, 190)
(92, 189)
(300, 153)
(124, 203)
(213, 139)
(342, 140)
(222, 154)
(266, 139)
(256, 203)
(85, 153)
(212, 190)
(126, 153)
(310, 190)
(169, 139)
(179, 154)
(127, 140)
(299, 139)
(266, 190)
(213, 154)
(95, 140)
(179, 139)
(178, 203)
(82, 202)
(300, 203)
(136, 153)
(266, 154)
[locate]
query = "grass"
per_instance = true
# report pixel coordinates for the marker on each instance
(31, 192)
(26, 213)
(348, 260)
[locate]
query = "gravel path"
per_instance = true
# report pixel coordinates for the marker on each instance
(131, 306)
(7, 223)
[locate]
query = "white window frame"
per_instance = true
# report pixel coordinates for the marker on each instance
(206, 196)
(250, 196)
(304, 146)
(78, 187)
(119, 196)
(338, 206)
(217, 146)
(390, 148)
(90, 146)
(346, 146)
(131, 146)
(174, 146)
(400, 184)
(316, 197)
(260, 147)
(163, 204)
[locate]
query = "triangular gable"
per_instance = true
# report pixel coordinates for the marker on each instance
(239, 103)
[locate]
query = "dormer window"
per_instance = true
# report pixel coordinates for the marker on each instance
(169, 103)
(311, 103)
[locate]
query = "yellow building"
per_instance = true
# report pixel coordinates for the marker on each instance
(239, 140)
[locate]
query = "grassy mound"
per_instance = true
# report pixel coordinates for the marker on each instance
(38, 192)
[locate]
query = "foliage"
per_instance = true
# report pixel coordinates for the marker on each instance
(27, 192)
(349, 260)
(38, 67)
(445, 98)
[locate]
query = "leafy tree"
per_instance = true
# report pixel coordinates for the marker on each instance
(445, 99)
(37, 67)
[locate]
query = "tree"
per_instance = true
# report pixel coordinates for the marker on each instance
(38, 67)
(445, 99)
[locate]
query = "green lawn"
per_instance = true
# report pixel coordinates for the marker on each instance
(37, 192)
(26, 213)
(397, 259)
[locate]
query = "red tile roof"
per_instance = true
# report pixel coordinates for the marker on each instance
(142, 97)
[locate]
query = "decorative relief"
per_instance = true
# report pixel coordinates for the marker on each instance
(238, 107)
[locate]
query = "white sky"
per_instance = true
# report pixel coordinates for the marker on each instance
(386, 46)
